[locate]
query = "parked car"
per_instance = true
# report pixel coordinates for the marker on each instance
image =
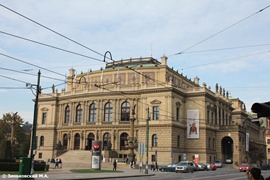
(210, 166)
(201, 167)
(168, 167)
(243, 167)
(218, 164)
(229, 161)
(265, 167)
(185, 166)
(213, 166)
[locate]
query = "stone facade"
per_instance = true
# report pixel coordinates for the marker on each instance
(186, 119)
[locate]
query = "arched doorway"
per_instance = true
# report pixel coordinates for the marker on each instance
(77, 139)
(123, 141)
(227, 148)
(65, 141)
(90, 139)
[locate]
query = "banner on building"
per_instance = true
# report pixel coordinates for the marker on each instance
(193, 128)
(247, 141)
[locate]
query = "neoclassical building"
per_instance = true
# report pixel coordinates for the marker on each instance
(186, 120)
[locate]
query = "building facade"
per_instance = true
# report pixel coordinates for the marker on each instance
(186, 120)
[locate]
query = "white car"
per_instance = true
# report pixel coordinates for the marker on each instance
(218, 163)
(185, 166)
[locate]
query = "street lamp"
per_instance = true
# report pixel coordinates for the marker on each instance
(147, 140)
(34, 145)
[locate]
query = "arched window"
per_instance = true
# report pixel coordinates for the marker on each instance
(41, 142)
(90, 139)
(154, 140)
(125, 111)
(65, 141)
(77, 139)
(79, 114)
(67, 115)
(123, 141)
(107, 141)
(108, 112)
(92, 112)
(178, 141)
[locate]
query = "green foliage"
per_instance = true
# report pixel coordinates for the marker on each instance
(14, 141)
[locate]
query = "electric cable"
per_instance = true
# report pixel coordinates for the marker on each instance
(16, 59)
(181, 52)
(54, 47)
(51, 30)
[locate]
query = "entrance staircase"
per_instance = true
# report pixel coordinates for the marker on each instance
(76, 158)
(82, 159)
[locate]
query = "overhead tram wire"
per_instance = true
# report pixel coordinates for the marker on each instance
(14, 79)
(31, 64)
(6, 69)
(47, 45)
(222, 61)
(222, 49)
(221, 31)
(14, 88)
(51, 30)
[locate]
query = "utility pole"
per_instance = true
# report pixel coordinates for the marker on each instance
(34, 145)
(132, 138)
(147, 140)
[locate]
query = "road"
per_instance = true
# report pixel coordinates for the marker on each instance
(225, 173)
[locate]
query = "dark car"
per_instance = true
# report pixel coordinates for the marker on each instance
(168, 168)
(243, 167)
(265, 167)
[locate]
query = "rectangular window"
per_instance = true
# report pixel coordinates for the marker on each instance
(268, 141)
(155, 112)
(44, 117)
(177, 114)
(39, 155)
(268, 150)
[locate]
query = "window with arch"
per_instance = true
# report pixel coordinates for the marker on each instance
(154, 140)
(107, 141)
(65, 141)
(41, 141)
(123, 140)
(67, 115)
(79, 113)
(125, 111)
(178, 141)
(90, 139)
(108, 112)
(92, 112)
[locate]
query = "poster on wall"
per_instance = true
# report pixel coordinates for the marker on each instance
(193, 128)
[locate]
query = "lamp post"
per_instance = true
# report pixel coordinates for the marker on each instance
(34, 145)
(147, 140)
(131, 139)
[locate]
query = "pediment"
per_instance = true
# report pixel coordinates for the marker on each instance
(44, 109)
(155, 102)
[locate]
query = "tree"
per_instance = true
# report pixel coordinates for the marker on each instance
(15, 140)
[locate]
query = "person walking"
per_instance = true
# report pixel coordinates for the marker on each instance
(141, 166)
(60, 163)
(114, 165)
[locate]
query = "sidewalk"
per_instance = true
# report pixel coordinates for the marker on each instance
(64, 173)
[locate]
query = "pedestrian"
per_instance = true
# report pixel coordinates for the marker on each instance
(156, 166)
(254, 174)
(141, 166)
(114, 165)
(60, 163)
(56, 164)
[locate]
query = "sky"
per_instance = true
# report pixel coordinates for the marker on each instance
(224, 42)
